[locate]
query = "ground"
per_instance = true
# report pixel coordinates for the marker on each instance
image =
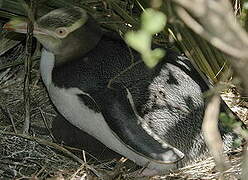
(35, 156)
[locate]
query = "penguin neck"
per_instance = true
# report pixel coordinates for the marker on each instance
(46, 66)
(79, 43)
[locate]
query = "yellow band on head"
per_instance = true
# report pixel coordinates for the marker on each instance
(79, 22)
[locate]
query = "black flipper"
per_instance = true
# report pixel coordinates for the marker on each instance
(121, 117)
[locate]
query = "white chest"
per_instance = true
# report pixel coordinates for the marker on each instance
(67, 101)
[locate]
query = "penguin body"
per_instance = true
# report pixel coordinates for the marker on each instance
(73, 103)
(151, 116)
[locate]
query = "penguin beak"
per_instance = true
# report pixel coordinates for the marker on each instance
(21, 25)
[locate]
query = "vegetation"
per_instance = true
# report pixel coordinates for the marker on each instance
(208, 32)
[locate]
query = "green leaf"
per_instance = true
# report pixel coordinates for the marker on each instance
(245, 5)
(158, 53)
(151, 58)
(153, 21)
(140, 41)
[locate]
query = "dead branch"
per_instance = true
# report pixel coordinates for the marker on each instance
(212, 135)
(27, 66)
(215, 21)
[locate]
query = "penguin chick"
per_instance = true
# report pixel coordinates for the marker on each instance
(151, 116)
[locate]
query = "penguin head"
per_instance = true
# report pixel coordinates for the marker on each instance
(55, 28)
(65, 32)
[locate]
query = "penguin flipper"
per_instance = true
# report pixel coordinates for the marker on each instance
(118, 111)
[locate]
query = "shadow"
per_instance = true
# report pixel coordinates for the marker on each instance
(67, 134)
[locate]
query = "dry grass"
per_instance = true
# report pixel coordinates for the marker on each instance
(26, 157)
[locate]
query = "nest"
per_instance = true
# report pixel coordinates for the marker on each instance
(25, 158)
(35, 156)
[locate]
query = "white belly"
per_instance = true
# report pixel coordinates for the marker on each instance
(68, 104)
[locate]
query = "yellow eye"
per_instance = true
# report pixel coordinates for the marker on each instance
(61, 32)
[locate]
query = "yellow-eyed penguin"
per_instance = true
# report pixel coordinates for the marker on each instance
(151, 116)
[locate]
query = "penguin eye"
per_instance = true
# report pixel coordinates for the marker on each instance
(61, 32)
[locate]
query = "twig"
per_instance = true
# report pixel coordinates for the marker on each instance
(118, 167)
(215, 21)
(40, 171)
(243, 132)
(9, 116)
(121, 73)
(11, 120)
(77, 171)
(54, 146)
(212, 135)
(84, 156)
(15, 63)
(244, 173)
(27, 66)
(46, 125)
